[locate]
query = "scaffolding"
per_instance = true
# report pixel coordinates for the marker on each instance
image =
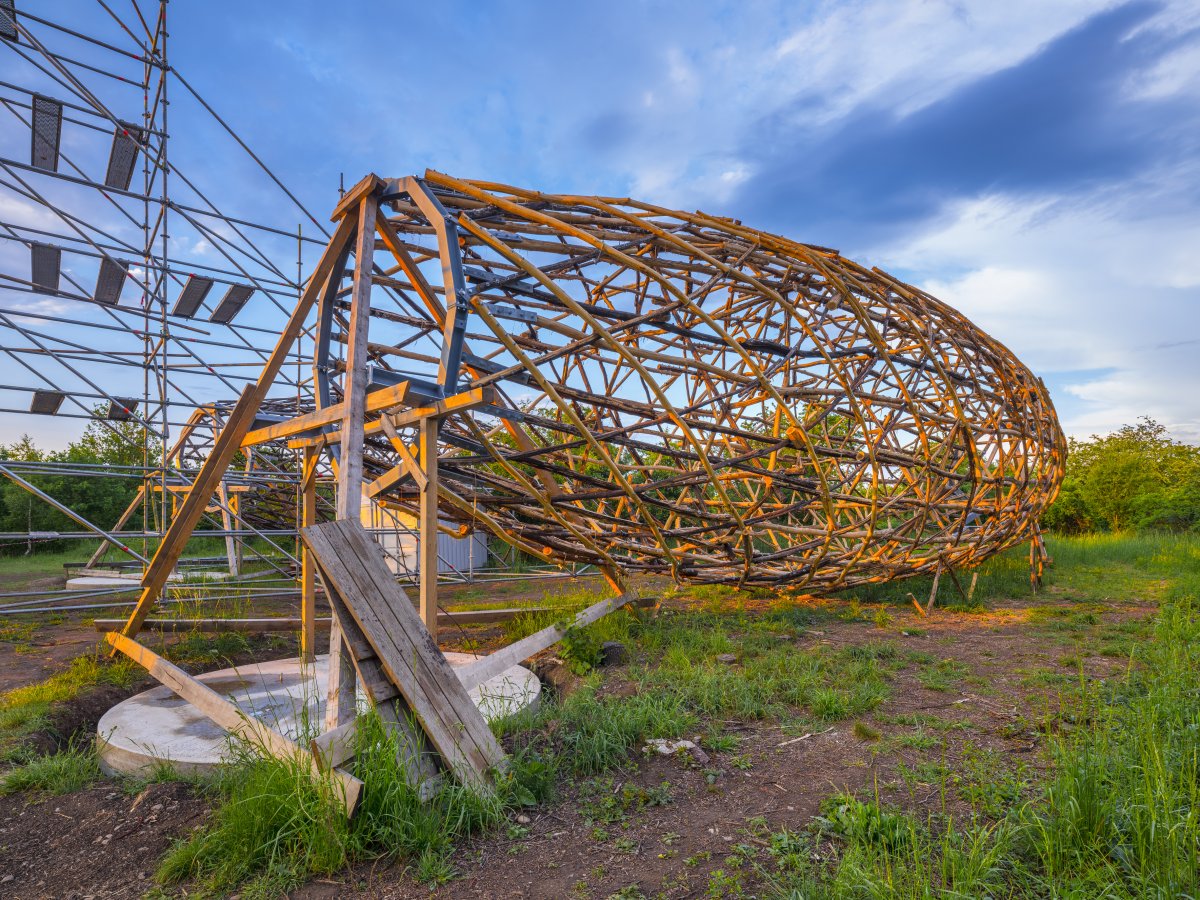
(132, 296)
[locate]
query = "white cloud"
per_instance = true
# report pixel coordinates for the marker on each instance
(1095, 284)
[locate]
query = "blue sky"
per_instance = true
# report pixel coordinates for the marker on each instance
(1036, 165)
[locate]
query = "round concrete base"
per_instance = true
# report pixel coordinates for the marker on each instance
(157, 726)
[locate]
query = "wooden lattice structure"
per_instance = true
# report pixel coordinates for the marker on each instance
(677, 393)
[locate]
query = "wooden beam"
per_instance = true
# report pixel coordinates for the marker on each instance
(340, 705)
(411, 270)
(227, 522)
(332, 748)
(308, 583)
(367, 187)
(376, 401)
(407, 461)
(354, 407)
(455, 403)
(216, 626)
(229, 716)
(493, 664)
(282, 624)
(427, 525)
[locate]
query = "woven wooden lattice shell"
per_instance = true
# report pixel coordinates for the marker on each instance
(685, 395)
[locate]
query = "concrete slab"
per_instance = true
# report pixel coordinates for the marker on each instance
(83, 582)
(157, 726)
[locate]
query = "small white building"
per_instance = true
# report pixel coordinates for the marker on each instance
(396, 532)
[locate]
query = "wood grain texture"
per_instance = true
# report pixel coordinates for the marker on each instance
(352, 564)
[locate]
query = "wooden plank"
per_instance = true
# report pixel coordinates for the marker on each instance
(228, 715)
(420, 765)
(376, 401)
(494, 663)
(427, 525)
(227, 443)
(480, 396)
(353, 565)
(308, 581)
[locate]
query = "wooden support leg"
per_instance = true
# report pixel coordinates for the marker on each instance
(340, 705)
(231, 550)
(937, 576)
(308, 582)
(428, 531)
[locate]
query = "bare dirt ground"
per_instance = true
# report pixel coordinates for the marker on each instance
(994, 683)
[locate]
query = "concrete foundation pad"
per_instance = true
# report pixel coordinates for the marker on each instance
(157, 726)
(82, 582)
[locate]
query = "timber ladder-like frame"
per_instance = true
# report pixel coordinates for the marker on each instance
(377, 637)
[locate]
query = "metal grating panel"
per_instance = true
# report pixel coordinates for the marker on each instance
(8, 21)
(120, 409)
(192, 295)
(111, 280)
(45, 133)
(123, 155)
(231, 304)
(44, 267)
(46, 403)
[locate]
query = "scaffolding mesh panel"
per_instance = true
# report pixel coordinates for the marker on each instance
(111, 280)
(231, 304)
(8, 21)
(123, 155)
(120, 409)
(45, 267)
(192, 295)
(46, 403)
(45, 133)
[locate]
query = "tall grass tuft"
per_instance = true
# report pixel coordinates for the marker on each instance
(274, 825)
(1124, 803)
(273, 818)
(60, 773)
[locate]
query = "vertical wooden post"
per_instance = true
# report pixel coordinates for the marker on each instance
(937, 576)
(427, 559)
(231, 549)
(308, 583)
(339, 707)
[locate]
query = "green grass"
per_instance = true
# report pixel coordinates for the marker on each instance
(27, 709)
(60, 773)
(274, 825)
(1117, 818)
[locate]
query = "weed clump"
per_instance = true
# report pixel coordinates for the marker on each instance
(60, 773)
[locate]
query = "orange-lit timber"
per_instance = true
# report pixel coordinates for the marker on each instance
(676, 393)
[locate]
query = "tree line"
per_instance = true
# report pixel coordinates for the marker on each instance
(1137, 478)
(105, 445)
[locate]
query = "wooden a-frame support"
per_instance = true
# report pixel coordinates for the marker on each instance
(370, 613)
